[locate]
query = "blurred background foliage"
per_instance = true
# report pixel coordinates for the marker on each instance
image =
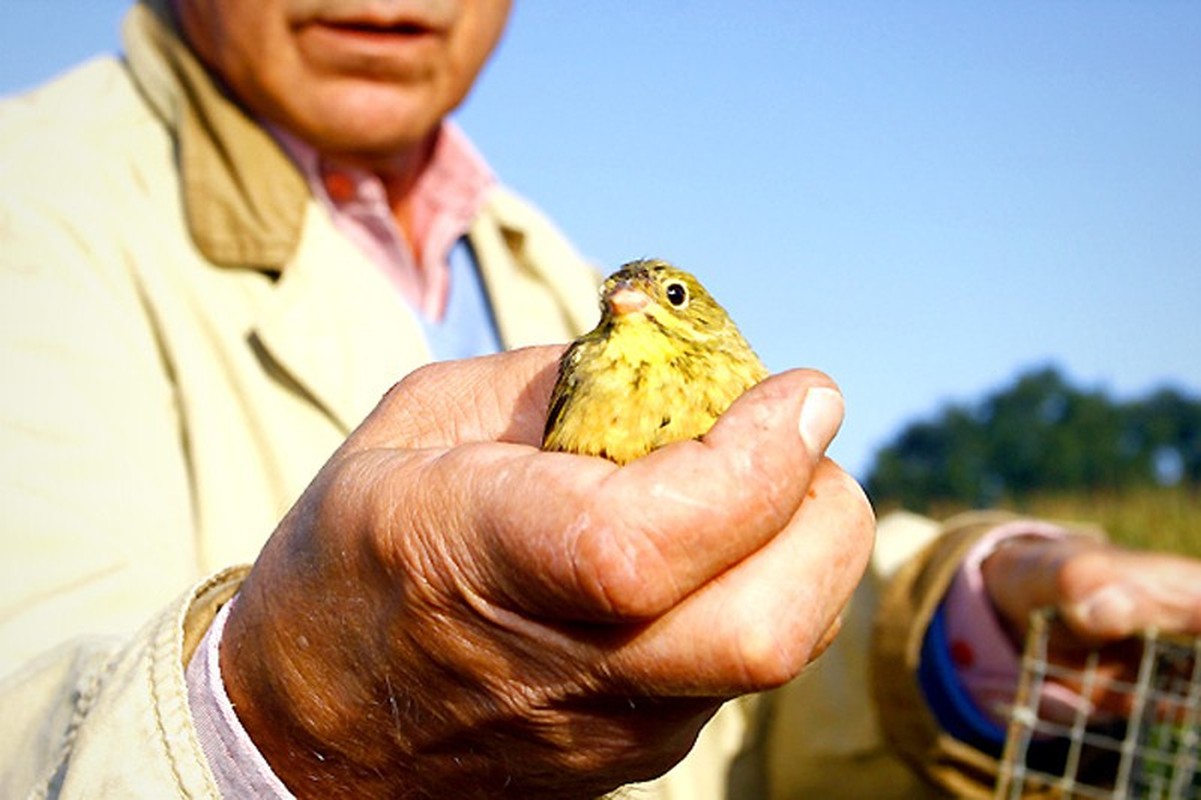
(1045, 447)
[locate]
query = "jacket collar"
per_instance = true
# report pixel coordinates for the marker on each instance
(244, 198)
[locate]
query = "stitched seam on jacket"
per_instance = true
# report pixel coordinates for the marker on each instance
(85, 697)
(170, 637)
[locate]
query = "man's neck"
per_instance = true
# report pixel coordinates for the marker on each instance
(400, 175)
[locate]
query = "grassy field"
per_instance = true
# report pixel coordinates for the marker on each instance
(1159, 518)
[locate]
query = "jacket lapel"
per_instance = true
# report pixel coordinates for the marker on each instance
(337, 327)
(533, 277)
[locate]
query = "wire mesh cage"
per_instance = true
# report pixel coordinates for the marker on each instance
(1151, 751)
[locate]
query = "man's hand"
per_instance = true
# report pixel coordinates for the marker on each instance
(448, 611)
(1103, 595)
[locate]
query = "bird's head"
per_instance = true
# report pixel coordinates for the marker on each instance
(671, 299)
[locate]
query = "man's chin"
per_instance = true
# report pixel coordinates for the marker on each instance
(369, 125)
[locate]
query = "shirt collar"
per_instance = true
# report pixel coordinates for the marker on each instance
(446, 197)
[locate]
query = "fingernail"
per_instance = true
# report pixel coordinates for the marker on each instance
(1109, 611)
(821, 416)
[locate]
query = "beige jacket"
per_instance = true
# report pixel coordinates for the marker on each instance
(185, 339)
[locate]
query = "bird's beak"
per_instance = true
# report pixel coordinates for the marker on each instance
(625, 299)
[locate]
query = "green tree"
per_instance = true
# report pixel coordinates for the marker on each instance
(1039, 434)
(1168, 425)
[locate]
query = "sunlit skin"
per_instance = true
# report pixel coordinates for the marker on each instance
(663, 363)
(365, 81)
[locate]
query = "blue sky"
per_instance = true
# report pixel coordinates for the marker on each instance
(921, 199)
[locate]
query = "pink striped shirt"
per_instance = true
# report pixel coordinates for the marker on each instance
(445, 199)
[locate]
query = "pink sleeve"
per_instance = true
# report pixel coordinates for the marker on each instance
(237, 765)
(985, 658)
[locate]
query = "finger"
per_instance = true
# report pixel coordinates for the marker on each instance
(630, 543)
(1022, 576)
(691, 510)
(501, 397)
(1110, 593)
(1102, 592)
(757, 625)
(578, 538)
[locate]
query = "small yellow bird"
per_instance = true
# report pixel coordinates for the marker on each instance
(663, 363)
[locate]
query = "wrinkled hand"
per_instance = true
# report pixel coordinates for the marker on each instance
(448, 611)
(1103, 595)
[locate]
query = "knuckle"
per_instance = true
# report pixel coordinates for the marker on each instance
(769, 659)
(623, 571)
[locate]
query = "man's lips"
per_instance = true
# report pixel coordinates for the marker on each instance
(382, 18)
(369, 30)
(380, 48)
(404, 28)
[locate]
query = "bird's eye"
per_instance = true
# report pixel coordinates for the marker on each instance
(677, 294)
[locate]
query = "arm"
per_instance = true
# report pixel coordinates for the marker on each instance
(1103, 593)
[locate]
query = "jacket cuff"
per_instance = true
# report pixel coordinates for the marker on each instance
(133, 732)
(907, 608)
(236, 763)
